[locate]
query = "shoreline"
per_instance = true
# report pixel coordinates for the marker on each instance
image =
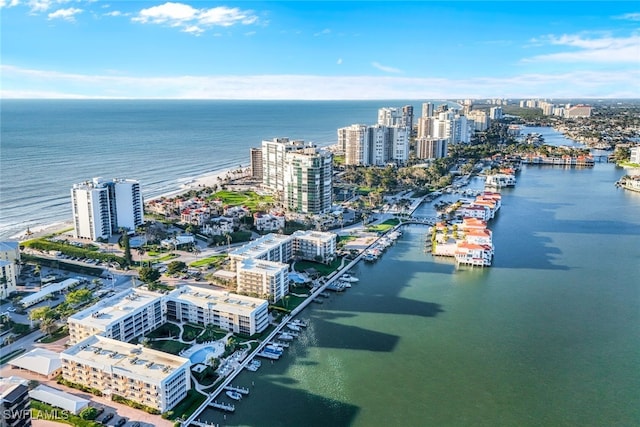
(209, 179)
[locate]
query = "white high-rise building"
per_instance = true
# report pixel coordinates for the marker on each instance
(102, 207)
(273, 154)
(399, 141)
(9, 267)
(392, 116)
(495, 113)
(308, 181)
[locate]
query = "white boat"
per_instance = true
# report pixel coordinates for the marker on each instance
(293, 327)
(349, 278)
(234, 395)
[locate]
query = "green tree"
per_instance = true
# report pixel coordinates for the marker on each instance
(89, 413)
(126, 246)
(48, 325)
(79, 297)
(176, 267)
(42, 313)
(149, 274)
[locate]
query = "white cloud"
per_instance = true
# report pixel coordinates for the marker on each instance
(189, 18)
(114, 13)
(11, 3)
(66, 14)
(603, 49)
(629, 16)
(385, 68)
(339, 61)
(168, 12)
(323, 32)
(37, 83)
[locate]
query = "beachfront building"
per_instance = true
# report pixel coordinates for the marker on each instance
(9, 267)
(14, 395)
(271, 247)
(127, 315)
(152, 378)
(273, 160)
(218, 226)
(103, 207)
(308, 181)
(256, 163)
(267, 279)
(231, 312)
(314, 245)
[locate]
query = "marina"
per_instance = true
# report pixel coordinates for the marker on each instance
(472, 352)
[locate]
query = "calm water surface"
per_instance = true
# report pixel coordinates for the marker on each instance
(548, 336)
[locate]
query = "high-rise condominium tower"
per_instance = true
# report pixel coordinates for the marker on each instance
(103, 207)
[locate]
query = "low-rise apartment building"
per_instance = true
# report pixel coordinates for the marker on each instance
(231, 312)
(124, 316)
(271, 247)
(314, 245)
(152, 378)
(267, 279)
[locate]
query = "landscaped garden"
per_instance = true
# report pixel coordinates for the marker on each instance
(385, 226)
(168, 346)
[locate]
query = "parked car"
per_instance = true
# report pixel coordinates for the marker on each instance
(107, 417)
(122, 421)
(136, 424)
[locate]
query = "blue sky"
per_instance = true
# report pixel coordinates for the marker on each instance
(319, 50)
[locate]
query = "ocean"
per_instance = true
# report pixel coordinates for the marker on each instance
(49, 145)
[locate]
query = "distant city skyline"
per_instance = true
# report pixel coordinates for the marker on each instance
(319, 50)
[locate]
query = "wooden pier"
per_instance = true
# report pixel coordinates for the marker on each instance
(227, 407)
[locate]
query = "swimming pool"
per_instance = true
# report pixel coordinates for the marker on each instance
(298, 278)
(202, 355)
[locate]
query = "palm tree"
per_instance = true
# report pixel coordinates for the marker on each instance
(47, 325)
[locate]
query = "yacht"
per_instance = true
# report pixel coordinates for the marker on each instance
(349, 278)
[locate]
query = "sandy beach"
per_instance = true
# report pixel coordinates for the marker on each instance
(206, 180)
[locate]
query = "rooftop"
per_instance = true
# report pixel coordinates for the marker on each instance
(257, 247)
(227, 302)
(110, 310)
(261, 266)
(118, 356)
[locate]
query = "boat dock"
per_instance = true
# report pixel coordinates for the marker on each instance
(240, 390)
(227, 407)
(272, 356)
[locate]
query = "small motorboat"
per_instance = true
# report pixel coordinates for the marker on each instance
(234, 395)
(349, 278)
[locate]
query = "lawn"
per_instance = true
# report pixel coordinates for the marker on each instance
(323, 269)
(385, 226)
(212, 261)
(168, 346)
(165, 331)
(250, 199)
(211, 335)
(189, 333)
(289, 302)
(187, 406)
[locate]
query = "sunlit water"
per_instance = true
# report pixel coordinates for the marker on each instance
(547, 336)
